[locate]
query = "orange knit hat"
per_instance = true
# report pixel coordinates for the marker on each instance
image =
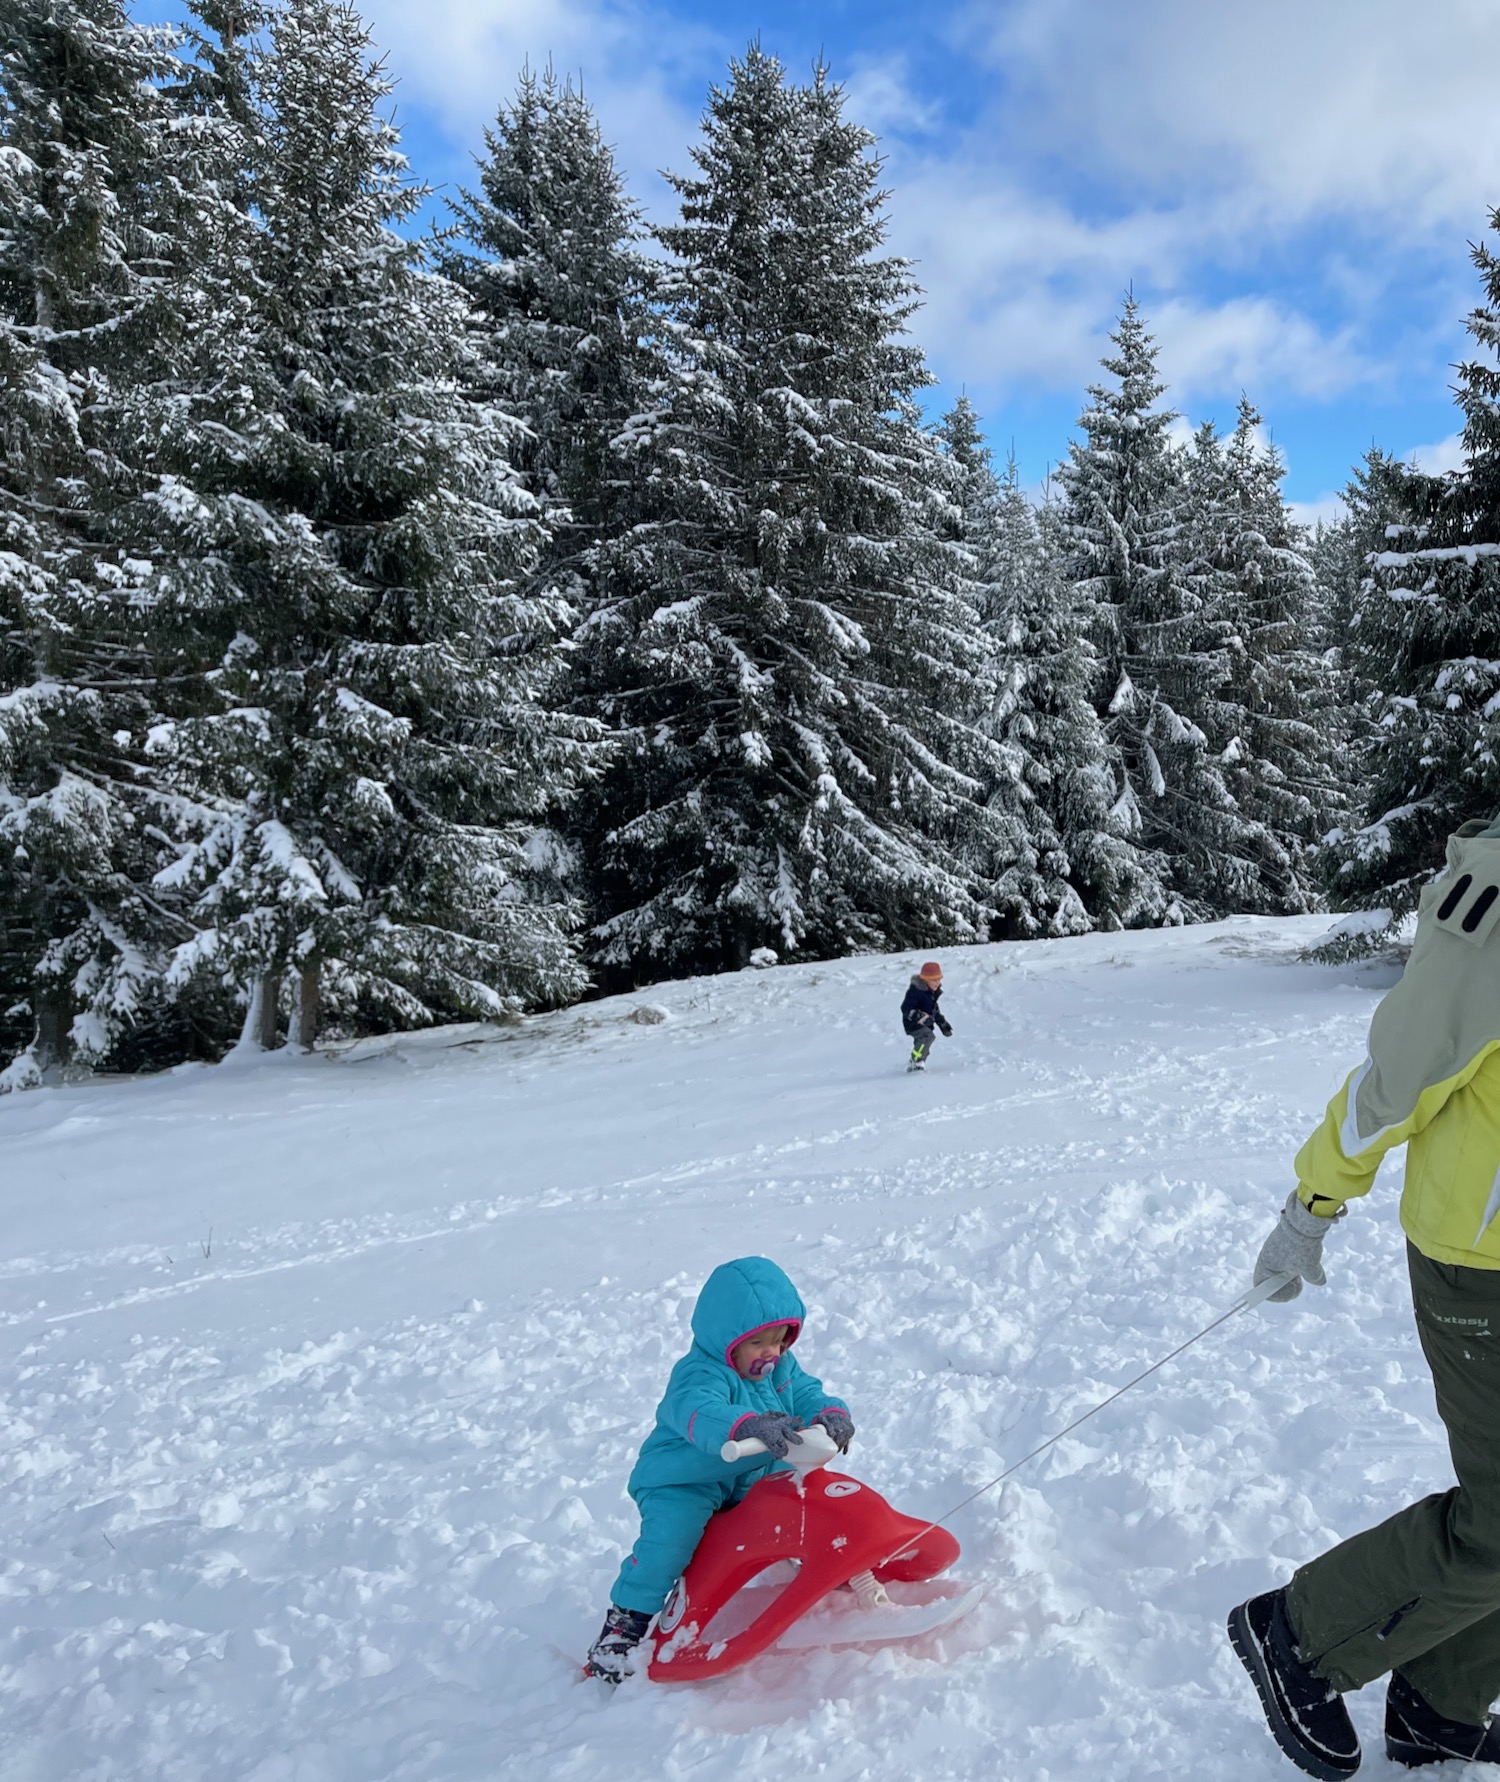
(932, 971)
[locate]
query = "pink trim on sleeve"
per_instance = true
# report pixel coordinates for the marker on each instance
(740, 1422)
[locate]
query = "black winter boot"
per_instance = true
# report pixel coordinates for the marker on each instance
(609, 1656)
(1306, 1715)
(1416, 1733)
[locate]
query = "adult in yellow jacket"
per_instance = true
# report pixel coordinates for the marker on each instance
(1419, 1595)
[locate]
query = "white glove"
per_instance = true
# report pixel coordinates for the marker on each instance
(1295, 1247)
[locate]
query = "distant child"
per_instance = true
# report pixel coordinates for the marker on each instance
(737, 1382)
(920, 1013)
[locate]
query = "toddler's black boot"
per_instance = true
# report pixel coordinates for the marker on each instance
(609, 1656)
(1306, 1715)
(1416, 1733)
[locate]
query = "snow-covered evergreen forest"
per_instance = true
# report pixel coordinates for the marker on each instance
(402, 628)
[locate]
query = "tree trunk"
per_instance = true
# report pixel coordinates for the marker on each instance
(309, 1006)
(265, 1036)
(259, 1031)
(51, 1044)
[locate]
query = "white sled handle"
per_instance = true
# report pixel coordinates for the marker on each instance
(816, 1448)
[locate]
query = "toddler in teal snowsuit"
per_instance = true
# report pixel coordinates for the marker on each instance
(738, 1380)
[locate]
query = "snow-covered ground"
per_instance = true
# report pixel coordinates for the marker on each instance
(320, 1379)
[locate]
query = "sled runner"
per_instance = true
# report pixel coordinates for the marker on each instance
(811, 1559)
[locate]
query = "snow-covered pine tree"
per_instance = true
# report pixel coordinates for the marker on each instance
(547, 251)
(1046, 706)
(1271, 719)
(370, 765)
(1024, 864)
(1122, 885)
(1161, 656)
(962, 435)
(786, 647)
(1425, 638)
(1340, 551)
(1065, 863)
(97, 222)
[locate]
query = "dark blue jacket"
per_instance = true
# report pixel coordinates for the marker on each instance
(706, 1400)
(920, 1008)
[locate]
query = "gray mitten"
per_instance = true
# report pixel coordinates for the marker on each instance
(777, 1429)
(839, 1424)
(1295, 1247)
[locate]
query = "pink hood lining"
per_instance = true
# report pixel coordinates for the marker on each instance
(770, 1324)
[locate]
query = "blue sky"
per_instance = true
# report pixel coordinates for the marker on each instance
(1290, 188)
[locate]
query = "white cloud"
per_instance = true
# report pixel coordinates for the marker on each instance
(881, 96)
(1167, 142)
(1249, 343)
(1023, 291)
(1328, 508)
(1446, 454)
(1358, 105)
(459, 60)
(1018, 288)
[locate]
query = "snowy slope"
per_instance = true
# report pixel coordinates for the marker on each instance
(320, 1379)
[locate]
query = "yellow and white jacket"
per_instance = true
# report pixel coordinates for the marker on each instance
(1432, 1076)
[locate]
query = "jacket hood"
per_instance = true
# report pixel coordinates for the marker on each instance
(741, 1297)
(1472, 843)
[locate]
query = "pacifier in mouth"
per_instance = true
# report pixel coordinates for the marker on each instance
(762, 1365)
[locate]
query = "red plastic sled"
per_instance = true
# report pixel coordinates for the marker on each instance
(836, 1529)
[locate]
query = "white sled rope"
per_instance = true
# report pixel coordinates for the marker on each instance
(1246, 1302)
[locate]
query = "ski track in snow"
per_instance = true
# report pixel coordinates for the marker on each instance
(321, 1379)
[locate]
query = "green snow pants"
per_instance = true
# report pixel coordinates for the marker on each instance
(1421, 1592)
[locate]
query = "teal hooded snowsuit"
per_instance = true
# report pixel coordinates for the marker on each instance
(679, 1480)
